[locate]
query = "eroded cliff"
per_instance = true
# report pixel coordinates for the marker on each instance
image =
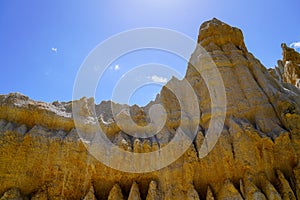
(288, 69)
(255, 157)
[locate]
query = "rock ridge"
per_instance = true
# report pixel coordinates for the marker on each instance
(256, 156)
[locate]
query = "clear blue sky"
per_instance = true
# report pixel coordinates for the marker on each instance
(43, 43)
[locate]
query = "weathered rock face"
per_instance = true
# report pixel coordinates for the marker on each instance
(288, 69)
(256, 156)
(291, 60)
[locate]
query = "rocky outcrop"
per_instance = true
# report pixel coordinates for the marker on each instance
(12, 194)
(288, 69)
(134, 193)
(153, 191)
(228, 191)
(209, 194)
(284, 187)
(115, 193)
(90, 195)
(291, 60)
(256, 155)
(250, 190)
(268, 189)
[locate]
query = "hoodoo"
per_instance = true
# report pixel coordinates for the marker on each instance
(256, 156)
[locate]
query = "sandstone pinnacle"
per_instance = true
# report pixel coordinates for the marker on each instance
(42, 155)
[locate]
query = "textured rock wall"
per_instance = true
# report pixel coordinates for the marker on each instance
(288, 69)
(256, 156)
(291, 60)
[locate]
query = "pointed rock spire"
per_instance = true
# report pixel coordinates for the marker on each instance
(228, 191)
(209, 194)
(134, 192)
(284, 187)
(296, 177)
(153, 192)
(250, 191)
(91, 194)
(268, 189)
(192, 194)
(115, 193)
(12, 194)
(220, 33)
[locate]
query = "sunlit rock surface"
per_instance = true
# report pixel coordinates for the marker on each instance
(287, 70)
(256, 156)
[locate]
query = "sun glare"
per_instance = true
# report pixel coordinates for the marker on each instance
(156, 9)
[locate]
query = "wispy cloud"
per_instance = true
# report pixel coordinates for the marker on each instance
(54, 49)
(295, 45)
(158, 79)
(117, 67)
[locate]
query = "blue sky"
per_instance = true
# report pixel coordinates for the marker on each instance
(43, 43)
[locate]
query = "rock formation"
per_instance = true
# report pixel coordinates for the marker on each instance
(256, 155)
(288, 69)
(115, 193)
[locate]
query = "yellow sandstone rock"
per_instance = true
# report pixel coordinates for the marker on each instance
(42, 156)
